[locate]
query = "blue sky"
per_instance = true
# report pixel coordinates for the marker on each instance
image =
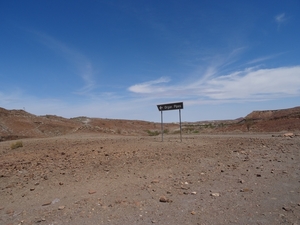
(119, 59)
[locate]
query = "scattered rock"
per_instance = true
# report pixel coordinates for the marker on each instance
(288, 134)
(155, 181)
(286, 208)
(245, 190)
(164, 199)
(47, 203)
(215, 194)
(92, 192)
(193, 193)
(61, 207)
(193, 212)
(38, 220)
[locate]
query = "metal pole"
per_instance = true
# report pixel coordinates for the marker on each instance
(180, 124)
(162, 126)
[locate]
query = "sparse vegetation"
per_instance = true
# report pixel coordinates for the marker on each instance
(153, 133)
(249, 123)
(17, 144)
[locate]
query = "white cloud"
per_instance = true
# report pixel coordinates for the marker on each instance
(280, 18)
(254, 84)
(265, 58)
(150, 86)
(250, 84)
(86, 73)
(76, 59)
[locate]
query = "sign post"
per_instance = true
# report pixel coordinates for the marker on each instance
(170, 106)
(162, 125)
(180, 124)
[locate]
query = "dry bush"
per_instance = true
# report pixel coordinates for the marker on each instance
(17, 144)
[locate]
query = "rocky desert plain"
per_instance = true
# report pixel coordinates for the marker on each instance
(56, 171)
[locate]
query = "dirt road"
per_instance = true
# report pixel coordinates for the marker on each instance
(205, 179)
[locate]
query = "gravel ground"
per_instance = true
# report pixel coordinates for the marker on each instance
(205, 179)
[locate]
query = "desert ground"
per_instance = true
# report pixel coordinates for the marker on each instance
(99, 178)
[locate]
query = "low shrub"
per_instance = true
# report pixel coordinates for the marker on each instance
(153, 133)
(17, 144)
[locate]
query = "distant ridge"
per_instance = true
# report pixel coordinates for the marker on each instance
(16, 124)
(274, 114)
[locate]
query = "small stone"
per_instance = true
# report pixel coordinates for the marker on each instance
(40, 220)
(245, 190)
(193, 212)
(288, 135)
(215, 194)
(32, 189)
(193, 193)
(47, 203)
(1, 207)
(61, 207)
(155, 181)
(285, 208)
(92, 192)
(163, 199)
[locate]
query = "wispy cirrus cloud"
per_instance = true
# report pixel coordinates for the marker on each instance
(150, 86)
(250, 84)
(280, 19)
(264, 58)
(80, 62)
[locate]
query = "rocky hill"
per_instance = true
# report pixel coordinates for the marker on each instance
(270, 121)
(15, 124)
